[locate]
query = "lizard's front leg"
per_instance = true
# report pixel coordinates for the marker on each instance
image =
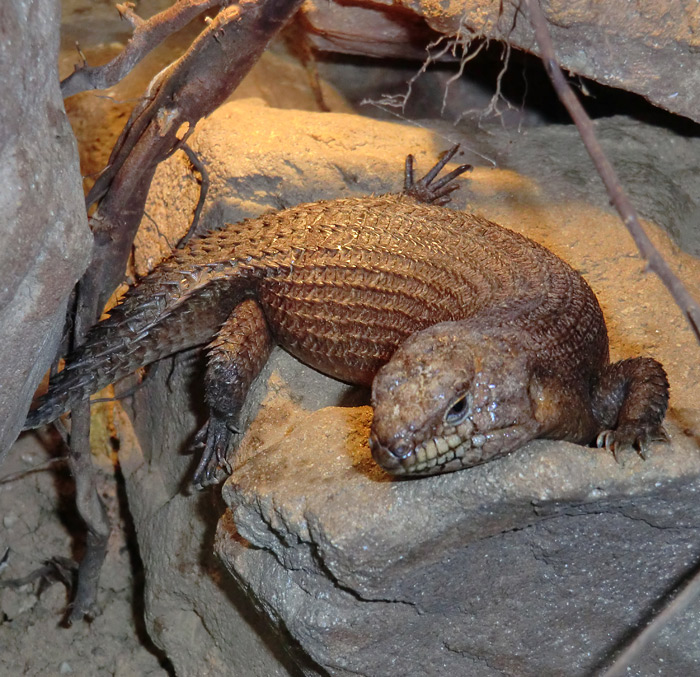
(630, 403)
(236, 356)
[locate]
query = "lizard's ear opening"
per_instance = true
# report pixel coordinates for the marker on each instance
(459, 410)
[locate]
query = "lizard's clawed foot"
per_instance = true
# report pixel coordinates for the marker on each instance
(216, 437)
(439, 192)
(630, 437)
(630, 402)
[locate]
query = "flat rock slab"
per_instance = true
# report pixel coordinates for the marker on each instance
(538, 563)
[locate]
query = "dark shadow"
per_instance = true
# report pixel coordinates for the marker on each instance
(356, 396)
(277, 638)
(138, 610)
(525, 85)
(66, 508)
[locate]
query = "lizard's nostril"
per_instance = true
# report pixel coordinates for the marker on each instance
(401, 451)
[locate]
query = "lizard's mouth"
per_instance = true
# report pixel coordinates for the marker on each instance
(452, 449)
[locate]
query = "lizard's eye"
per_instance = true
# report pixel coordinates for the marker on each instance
(458, 410)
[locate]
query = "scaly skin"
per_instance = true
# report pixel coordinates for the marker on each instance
(499, 341)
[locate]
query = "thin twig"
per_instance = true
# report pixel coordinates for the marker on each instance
(618, 197)
(203, 190)
(296, 38)
(126, 12)
(147, 36)
(40, 467)
(387, 101)
(56, 569)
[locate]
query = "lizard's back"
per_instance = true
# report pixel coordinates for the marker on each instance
(361, 275)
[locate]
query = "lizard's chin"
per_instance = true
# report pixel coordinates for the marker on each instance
(384, 458)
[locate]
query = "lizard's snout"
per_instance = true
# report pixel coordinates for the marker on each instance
(389, 458)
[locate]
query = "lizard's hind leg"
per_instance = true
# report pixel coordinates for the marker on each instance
(630, 403)
(235, 358)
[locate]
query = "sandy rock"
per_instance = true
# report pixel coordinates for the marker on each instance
(647, 47)
(528, 566)
(195, 612)
(46, 242)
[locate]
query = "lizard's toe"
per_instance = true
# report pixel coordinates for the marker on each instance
(606, 439)
(426, 190)
(614, 442)
(200, 438)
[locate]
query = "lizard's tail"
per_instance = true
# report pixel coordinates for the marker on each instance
(151, 323)
(85, 374)
(90, 369)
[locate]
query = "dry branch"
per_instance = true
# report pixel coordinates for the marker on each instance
(203, 191)
(92, 509)
(190, 89)
(618, 197)
(147, 36)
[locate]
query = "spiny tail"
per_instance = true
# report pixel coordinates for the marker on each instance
(170, 311)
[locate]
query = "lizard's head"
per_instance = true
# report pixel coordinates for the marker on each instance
(449, 398)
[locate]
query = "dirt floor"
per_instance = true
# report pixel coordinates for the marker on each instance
(40, 523)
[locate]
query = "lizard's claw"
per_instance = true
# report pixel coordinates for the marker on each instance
(629, 436)
(606, 439)
(439, 192)
(216, 436)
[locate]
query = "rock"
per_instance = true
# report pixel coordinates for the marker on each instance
(204, 622)
(472, 573)
(42, 212)
(528, 565)
(648, 48)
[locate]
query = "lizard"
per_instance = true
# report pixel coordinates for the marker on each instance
(473, 338)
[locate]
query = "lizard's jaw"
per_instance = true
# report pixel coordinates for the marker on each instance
(451, 448)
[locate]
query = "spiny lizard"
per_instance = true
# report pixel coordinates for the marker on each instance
(474, 338)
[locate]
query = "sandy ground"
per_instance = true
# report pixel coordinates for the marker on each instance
(39, 522)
